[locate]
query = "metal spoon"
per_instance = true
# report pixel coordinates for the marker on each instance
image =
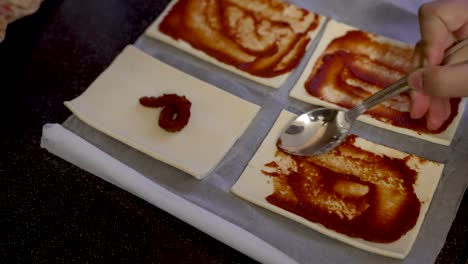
(320, 130)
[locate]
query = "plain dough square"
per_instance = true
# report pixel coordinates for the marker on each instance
(274, 82)
(254, 187)
(335, 29)
(111, 105)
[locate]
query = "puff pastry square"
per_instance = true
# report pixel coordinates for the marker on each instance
(260, 40)
(364, 194)
(111, 105)
(350, 65)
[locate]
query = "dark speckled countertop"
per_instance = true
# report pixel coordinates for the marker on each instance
(54, 212)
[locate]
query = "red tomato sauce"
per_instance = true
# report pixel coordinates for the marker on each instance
(355, 66)
(349, 190)
(257, 37)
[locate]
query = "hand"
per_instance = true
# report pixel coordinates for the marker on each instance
(442, 23)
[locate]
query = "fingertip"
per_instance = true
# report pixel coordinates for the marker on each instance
(420, 103)
(438, 113)
(435, 123)
(416, 114)
(432, 123)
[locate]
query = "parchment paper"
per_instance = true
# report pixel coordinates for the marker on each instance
(396, 19)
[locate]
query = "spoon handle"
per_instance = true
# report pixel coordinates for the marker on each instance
(393, 90)
(401, 85)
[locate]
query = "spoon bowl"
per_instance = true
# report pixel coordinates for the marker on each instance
(315, 132)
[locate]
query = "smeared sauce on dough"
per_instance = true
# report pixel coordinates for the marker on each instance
(359, 64)
(349, 190)
(265, 38)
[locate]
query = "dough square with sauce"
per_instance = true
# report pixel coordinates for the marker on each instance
(342, 194)
(111, 105)
(349, 65)
(239, 28)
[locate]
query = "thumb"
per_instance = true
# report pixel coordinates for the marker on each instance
(441, 81)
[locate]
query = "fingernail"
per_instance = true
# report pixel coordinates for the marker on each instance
(415, 80)
(432, 125)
